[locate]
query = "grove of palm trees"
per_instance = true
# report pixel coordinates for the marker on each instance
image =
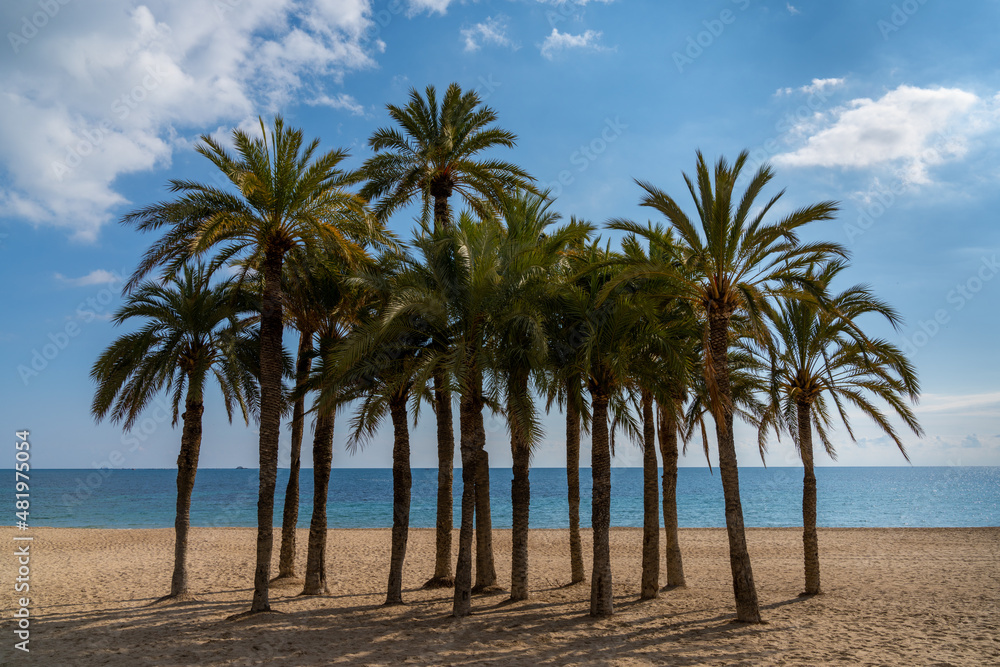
(722, 308)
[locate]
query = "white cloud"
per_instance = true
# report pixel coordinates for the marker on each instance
(429, 6)
(108, 89)
(909, 128)
(816, 86)
(491, 31)
(342, 101)
(95, 277)
(558, 42)
(792, 10)
(959, 405)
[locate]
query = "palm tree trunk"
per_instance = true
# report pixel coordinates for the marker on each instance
(401, 482)
(290, 516)
(446, 466)
(669, 452)
(486, 572)
(650, 505)
(520, 497)
(747, 607)
(270, 424)
(187, 468)
(315, 579)
(462, 602)
(573, 483)
(810, 541)
(600, 578)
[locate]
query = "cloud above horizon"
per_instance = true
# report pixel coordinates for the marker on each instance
(559, 42)
(909, 128)
(106, 90)
(492, 31)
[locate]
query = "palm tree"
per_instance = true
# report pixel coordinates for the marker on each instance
(735, 261)
(282, 196)
(820, 355)
(193, 332)
(380, 361)
(335, 308)
(566, 386)
(301, 311)
(610, 323)
(528, 259)
(669, 387)
(432, 154)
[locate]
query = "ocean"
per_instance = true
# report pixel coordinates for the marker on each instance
(362, 498)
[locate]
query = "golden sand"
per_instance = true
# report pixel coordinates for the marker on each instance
(891, 597)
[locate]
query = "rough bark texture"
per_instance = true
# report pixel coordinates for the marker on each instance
(747, 607)
(187, 468)
(486, 572)
(810, 541)
(462, 602)
(520, 498)
(401, 482)
(600, 578)
(270, 424)
(650, 586)
(446, 467)
(441, 189)
(315, 579)
(290, 515)
(573, 483)
(668, 450)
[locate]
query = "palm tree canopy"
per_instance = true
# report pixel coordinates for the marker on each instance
(192, 331)
(434, 152)
(283, 195)
(821, 355)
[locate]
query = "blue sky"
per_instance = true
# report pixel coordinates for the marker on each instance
(892, 108)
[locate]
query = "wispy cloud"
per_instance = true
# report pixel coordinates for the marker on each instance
(559, 42)
(430, 6)
(491, 31)
(794, 11)
(815, 86)
(342, 101)
(961, 404)
(95, 277)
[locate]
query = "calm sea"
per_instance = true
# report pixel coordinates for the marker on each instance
(362, 498)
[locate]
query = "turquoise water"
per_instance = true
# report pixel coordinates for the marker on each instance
(362, 498)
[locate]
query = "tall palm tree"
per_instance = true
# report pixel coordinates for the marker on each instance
(529, 256)
(610, 326)
(736, 261)
(282, 195)
(193, 332)
(300, 308)
(381, 361)
(566, 387)
(431, 154)
(821, 356)
(335, 310)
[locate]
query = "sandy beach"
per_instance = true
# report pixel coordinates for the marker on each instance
(891, 597)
